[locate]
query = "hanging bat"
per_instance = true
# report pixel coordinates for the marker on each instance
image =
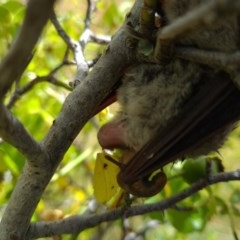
(173, 111)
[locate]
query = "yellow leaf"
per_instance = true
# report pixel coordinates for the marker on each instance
(105, 179)
(117, 199)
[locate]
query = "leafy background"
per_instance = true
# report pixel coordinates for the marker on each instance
(211, 214)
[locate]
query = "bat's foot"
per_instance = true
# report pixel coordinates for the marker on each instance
(213, 166)
(145, 187)
(145, 37)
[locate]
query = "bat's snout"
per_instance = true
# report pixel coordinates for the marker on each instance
(110, 135)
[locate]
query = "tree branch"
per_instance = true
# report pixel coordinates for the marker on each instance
(12, 131)
(77, 49)
(76, 224)
(39, 79)
(15, 62)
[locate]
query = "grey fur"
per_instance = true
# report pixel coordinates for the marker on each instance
(152, 95)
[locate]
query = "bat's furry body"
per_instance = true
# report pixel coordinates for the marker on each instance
(150, 103)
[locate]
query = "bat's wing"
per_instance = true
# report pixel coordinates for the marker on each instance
(214, 106)
(108, 100)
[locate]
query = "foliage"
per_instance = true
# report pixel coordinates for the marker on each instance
(71, 191)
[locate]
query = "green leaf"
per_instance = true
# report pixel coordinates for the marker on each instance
(5, 16)
(185, 221)
(221, 206)
(157, 215)
(12, 159)
(235, 202)
(194, 169)
(13, 6)
(72, 164)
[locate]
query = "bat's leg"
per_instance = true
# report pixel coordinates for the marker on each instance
(192, 25)
(147, 17)
(156, 41)
(229, 62)
(211, 17)
(216, 59)
(213, 165)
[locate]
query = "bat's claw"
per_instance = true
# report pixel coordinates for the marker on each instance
(150, 48)
(144, 187)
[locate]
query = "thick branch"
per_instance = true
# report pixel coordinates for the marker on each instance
(15, 62)
(77, 224)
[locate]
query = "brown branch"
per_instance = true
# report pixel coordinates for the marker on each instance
(15, 62)
(76, 224)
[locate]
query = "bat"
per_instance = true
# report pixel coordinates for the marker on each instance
(173, 111)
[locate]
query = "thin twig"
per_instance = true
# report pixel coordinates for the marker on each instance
(87, 20)
(82, 66)
(61, 32)
(39, 79)
(101, 39)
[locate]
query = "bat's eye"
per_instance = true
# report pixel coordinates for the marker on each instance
(144, 187)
